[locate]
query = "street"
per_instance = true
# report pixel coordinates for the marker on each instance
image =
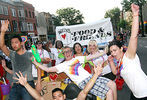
(124, 94)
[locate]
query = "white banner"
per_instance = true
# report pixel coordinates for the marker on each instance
(100, 31)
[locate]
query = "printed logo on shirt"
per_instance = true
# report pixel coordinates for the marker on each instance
(74, 67)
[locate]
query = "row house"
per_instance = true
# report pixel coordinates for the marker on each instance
(51, 34)
(20, 15)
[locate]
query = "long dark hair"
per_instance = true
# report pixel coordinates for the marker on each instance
(75, 45)
(57, 42)
(117, 43)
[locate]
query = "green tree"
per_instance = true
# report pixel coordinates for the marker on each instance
(57, 21)
(69, 16)
(126, 4)
(123, 24)
(114, 14)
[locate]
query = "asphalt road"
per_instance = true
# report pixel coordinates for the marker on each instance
(124, 94)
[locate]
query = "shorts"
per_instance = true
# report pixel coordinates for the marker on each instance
(100, 87)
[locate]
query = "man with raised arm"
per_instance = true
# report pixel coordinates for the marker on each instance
(21, 61)
(58, 93)
(104, 88)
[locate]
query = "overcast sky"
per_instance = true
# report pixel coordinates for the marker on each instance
(92, 10)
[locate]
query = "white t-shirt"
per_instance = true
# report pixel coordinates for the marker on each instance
(74, 69)
(134, 77)
(107, 68)
(43, 54)
(56, 53)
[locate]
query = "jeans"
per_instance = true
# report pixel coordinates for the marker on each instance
(19, 92)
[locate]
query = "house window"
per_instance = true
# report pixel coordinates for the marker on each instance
(34, 26)
(20, 13)
(5, 9)
(26, 13)
(30, 14)
(33, 14)
(13, 12)
(14, 24)
(1, 9)
(30, 27)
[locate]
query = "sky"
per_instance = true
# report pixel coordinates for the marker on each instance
(92, 10)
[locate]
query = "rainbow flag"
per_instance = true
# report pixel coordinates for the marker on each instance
(145, 23)
(74, 67)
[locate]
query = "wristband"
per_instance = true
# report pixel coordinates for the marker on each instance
(135, 15)
(37, 65)
(92, 80)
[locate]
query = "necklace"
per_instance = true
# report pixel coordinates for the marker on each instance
(119, 65)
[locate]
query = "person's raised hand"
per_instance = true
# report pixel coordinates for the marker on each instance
(21, 79)
(98, 69)
(110, 58)
(4, 26)
(135, 9)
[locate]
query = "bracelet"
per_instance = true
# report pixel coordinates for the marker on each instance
(135, 15)
(92, 80)
(37, 64)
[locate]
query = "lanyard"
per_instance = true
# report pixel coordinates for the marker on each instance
(119, 66)
(59, 51)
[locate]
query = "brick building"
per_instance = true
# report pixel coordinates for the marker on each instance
(21, 17)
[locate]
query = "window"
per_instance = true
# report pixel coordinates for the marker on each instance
(14, 24)
(23, 26)
(5, 10)
(1, 9)
(34, 26)
(13, 12)
(33, 14)
(30, 14)
(26, 13)
(20, 13)
(30, 27)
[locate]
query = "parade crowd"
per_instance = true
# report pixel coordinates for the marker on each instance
(94, 73)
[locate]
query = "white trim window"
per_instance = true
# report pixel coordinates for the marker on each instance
(21, 13)
(30, 27)
(13, 12)
(1, 9)
(5, 10)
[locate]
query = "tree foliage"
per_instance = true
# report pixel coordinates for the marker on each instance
(123, 24)
(114, 14)
(126, 4)
(68, 16)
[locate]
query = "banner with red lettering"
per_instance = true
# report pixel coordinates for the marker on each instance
(100, 31)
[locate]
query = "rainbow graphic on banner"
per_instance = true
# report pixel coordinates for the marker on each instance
(74, 67)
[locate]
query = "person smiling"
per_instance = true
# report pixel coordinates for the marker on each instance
(129, 63)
